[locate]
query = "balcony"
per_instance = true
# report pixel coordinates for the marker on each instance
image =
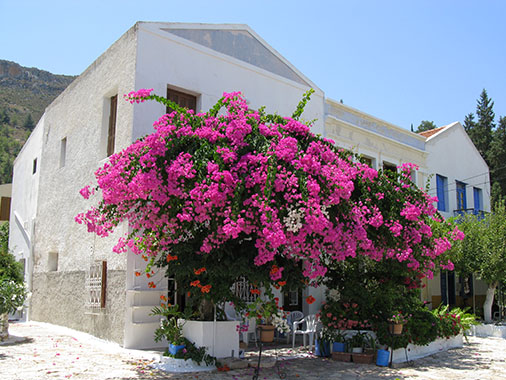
(480, 214)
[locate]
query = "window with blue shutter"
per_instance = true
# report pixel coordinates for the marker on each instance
(477, 195)
(442, 189)
(461, 196)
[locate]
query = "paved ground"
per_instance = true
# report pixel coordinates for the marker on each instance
(43, 351)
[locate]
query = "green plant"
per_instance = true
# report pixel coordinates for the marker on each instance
(338, 336)
(453, 322)
(399, 318)
(171, 325)
(12, 295)
(192, 352)
(358, 340)
(327, 335)
(10, 269)
(370, 342)
(265, 309)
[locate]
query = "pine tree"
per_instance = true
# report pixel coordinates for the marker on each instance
(481, 134)
(496, 156)
(469, 123)
(425, 125)
(28, 123)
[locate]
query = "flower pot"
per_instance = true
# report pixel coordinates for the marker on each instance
(395, 328)
(173, 349)
(357, 350)
(267, 333)
(364, 358)
(4, 326)
(382, 358)
(338, 347)
(322, 348)
(341, 356)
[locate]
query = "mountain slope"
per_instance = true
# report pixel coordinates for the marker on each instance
(24, 94)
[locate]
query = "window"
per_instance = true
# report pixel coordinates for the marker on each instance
(63, 151)
(442, 191)
(461, 196)
(96, 285)
(5, 208)
(389, 167)
(52, 262)
(181, 99)
(478, 199)
(242, 289)
(111, 134)
(368, 161)
(34, 168)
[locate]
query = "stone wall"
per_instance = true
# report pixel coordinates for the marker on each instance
(60, 298)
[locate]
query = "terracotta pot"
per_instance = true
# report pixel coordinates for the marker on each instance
(267, 333)
(341, 356)
(395, 329)
(365, 358)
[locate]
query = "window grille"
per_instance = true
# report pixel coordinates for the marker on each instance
(242, 289)
(96, 284)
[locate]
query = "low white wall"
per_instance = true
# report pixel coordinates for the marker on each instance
(489, 330)
(220, 338)
(417, 352)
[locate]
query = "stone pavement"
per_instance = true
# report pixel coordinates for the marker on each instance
(44, 351)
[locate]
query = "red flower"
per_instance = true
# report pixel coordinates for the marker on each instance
(282, 283)
(205, 289)
(255, 291)
(195, 283)
(199, 271)
(170, 258)
(310, 299)
(151, 284)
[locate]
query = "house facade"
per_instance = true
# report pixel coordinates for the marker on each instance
(76, 279)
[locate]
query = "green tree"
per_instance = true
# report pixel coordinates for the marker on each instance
(483, 251)
(497, 158)
(10, 269)
(4, 117)
(28, 123)
(469, 123)
(481, 131)
(425, 125)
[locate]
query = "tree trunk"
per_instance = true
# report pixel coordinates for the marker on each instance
(4, 326)
(206, 310)
(489, 300)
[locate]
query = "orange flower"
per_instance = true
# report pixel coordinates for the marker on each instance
(195, 283)
(274, 269)
(145, 257)
(255, 291)
(189, 294)
(199, 271)
(137, 274)
(205, 289)
(310, 299)
(151, 284)
(282, 283)
(170, 258)
(163, 298)
(148, 275)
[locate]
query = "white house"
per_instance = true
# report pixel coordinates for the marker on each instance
(460, 178)
(76, 279)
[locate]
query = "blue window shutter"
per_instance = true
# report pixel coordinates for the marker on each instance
(440, 185)
(477, 199)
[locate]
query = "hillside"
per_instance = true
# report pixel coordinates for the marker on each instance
(24, 94)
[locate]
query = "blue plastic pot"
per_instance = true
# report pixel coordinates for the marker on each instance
(173, 350)
(338, 347)
(382, 358)
(322, 348)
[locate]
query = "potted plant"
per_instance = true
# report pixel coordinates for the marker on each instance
(357, 342)
(344, 356)
(322, 343)
(339, 341)
(367, 356)
(12, 298)
(397, 321)
(171, 327)
(268, 316)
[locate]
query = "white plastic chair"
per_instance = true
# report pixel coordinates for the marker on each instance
(309, 324)
(252, 325)
(294, 316)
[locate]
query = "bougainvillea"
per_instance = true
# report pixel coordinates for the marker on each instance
(236, 188)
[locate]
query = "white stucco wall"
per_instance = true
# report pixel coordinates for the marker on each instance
(25, 186)
(374, 138)
(165, 59)
(452, 154)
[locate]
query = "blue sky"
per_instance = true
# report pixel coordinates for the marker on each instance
(402, 61)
